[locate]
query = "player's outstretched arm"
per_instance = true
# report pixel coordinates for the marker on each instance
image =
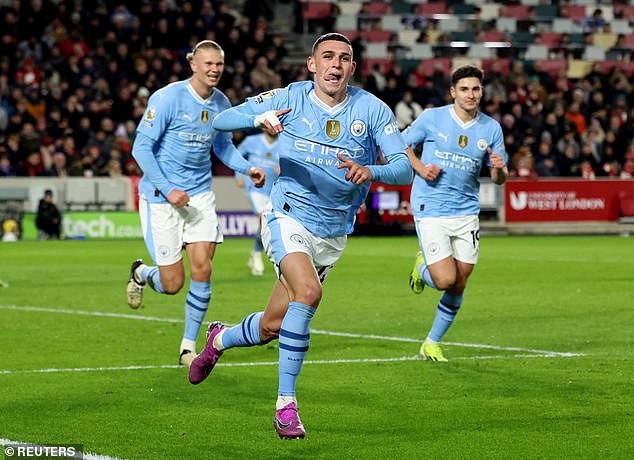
(428, 172)
(240, 117)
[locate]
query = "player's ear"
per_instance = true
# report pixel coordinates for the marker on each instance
(354, 66)
(310, 63)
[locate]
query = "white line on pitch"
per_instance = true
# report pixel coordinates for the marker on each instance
(274, 363)
(313, 331)
(84, 455)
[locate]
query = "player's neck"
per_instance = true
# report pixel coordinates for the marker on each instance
(203, 91)
(329, 100)
(465, 115)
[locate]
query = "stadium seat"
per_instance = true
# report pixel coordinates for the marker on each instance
(463, 9)
(376, 36)
(536, 52)
(520, 12)
(576, 13)
(450, 24)
(316, 10)
(462, 36)
(351, 34)
(550, 39)
(349, 8)
(502, 66)
(594, 53)
(408, 38)
(553, 68)
(432, 64)
(504, 24)
(346, 22)
(392, 22)
(420, 51)
(489, 11)
(479, 51)
(376, 50)
(626, 11)
(578, 68)
(521, 38)
(620, 26)
(492, 36)
(431, 8)
(546, 11)
(377, 8)
(566, 26)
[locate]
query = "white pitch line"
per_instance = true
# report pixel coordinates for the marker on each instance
(275, 363)
(313, 331)
(85, 455)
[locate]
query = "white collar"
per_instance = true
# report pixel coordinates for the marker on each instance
(325, 107)
(462, 124)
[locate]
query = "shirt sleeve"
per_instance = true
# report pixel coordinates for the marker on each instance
(143, 153)
(243, 116)
(497, 144)
(229, 154)
(417, 132)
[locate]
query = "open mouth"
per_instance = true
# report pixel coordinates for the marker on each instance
(333, 77)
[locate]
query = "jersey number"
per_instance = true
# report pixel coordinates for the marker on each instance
(475, 236)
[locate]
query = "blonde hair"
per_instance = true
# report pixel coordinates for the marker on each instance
(205, 44)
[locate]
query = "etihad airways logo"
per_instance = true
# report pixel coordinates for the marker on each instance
(315, 148)
(457, 161)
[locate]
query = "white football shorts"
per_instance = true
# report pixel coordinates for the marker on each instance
(442, 237)
(282, 235)
(166, 228)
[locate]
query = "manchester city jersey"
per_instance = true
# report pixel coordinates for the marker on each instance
(310, 188)
(179, 120)
(257, 150)
(460, 149)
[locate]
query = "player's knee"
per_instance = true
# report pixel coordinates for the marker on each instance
(444, 283)
(310, 295)
(172, 285)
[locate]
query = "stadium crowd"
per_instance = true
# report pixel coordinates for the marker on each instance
(75, 78)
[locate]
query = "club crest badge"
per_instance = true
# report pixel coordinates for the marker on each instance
(463, 141)
(151, 113)
(333, 129)
(357, 128)
(482, 144)
(204, 116)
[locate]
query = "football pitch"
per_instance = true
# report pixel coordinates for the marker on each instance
(540, 357)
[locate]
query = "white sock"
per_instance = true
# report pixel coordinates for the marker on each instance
(137, 273)
(218, 340)
(187, 344)
(283, 401)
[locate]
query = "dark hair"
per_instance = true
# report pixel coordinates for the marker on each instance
(467, 71)
(330, 36)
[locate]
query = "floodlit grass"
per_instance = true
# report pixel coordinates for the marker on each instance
(556, 383)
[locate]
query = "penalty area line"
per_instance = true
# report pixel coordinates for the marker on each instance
(275, 363)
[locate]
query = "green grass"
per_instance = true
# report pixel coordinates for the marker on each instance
(561, 294)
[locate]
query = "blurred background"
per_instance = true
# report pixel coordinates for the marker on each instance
(75, 77)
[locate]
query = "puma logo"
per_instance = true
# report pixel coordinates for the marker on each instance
(444, 136)
(309, 123)
(187, 117)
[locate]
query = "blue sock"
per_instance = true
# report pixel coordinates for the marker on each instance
(294, 339)
(196, 306)
(445, 314)
(152, 276)
(257, 243)
(245, 334)
(426, 276)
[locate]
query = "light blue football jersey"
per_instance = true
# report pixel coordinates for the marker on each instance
(180, 122)
(262, 155)
(460, 149)
(310, 188)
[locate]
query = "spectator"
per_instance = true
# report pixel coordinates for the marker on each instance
(406, 110)
(48, 220)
